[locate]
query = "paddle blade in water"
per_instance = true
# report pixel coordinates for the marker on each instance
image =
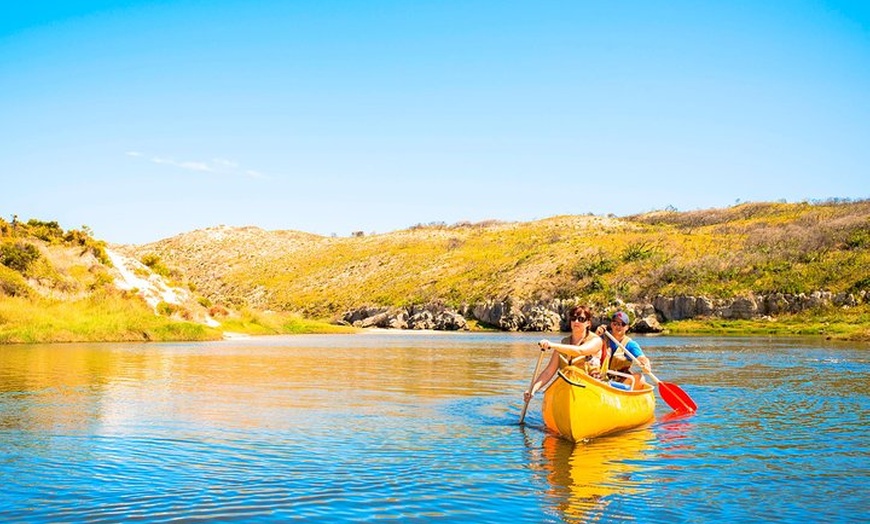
(676, 398)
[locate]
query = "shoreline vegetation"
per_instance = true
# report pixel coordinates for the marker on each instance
(114, 320)
(66, 286)
(834, 325)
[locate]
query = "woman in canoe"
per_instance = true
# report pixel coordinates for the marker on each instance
(587, 354)
(616, 359)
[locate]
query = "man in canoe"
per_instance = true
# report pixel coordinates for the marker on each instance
(616, 359)
(587, 355)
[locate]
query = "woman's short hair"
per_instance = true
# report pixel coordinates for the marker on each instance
(580, 310)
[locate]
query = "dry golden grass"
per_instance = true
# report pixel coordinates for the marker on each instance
(66, 293)
(748, 248)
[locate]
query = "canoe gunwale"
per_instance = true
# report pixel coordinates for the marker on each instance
(589, 381)
(569, 381)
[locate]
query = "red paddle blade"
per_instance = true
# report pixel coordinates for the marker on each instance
(676, 398)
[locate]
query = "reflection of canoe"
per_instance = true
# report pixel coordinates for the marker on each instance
(585, 479)
(578, 407)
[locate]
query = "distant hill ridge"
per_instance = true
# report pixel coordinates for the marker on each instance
(718, 253)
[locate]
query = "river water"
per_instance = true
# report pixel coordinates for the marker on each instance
(421, 427)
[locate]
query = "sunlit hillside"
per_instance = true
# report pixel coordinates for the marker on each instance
(747, 248)
(65, 286)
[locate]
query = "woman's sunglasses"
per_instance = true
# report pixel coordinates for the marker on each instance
(579, 318)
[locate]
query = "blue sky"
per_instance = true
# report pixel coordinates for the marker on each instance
(143, 120)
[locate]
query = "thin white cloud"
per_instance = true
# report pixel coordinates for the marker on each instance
(218, 166)
(223, 162)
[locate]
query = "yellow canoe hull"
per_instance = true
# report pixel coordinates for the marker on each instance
(579, 407)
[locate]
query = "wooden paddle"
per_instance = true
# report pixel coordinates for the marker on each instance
(531, 385)
(673, 394)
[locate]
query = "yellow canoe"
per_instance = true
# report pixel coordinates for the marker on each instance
(578, 407)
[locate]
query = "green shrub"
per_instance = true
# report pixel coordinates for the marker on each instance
(166, 309)
(638, 251)
(594, 266)
(858, 238)
(12, 284)
(18, 255)
(860, 285)
(154, 263)
(102, 278)
(48, 231)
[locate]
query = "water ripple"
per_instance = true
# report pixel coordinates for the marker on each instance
(419, 428)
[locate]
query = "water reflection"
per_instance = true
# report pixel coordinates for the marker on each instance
(82, 387)
(419, 427)
(51, 390)
(586, 479)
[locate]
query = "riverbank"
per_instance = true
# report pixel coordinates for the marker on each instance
(760, 268)
(852, 325)
(113, 320)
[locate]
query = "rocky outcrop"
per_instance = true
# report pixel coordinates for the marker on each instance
(647, 324)
(683, 307)
(753, 306)
(429, 316)
(510, 314)
(541, 318)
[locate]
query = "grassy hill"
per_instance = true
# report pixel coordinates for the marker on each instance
(58, 285)
(720, 253)
(62, 286)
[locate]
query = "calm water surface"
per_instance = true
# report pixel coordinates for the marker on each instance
(422, 427)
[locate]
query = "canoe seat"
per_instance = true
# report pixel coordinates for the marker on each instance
(621, 385)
